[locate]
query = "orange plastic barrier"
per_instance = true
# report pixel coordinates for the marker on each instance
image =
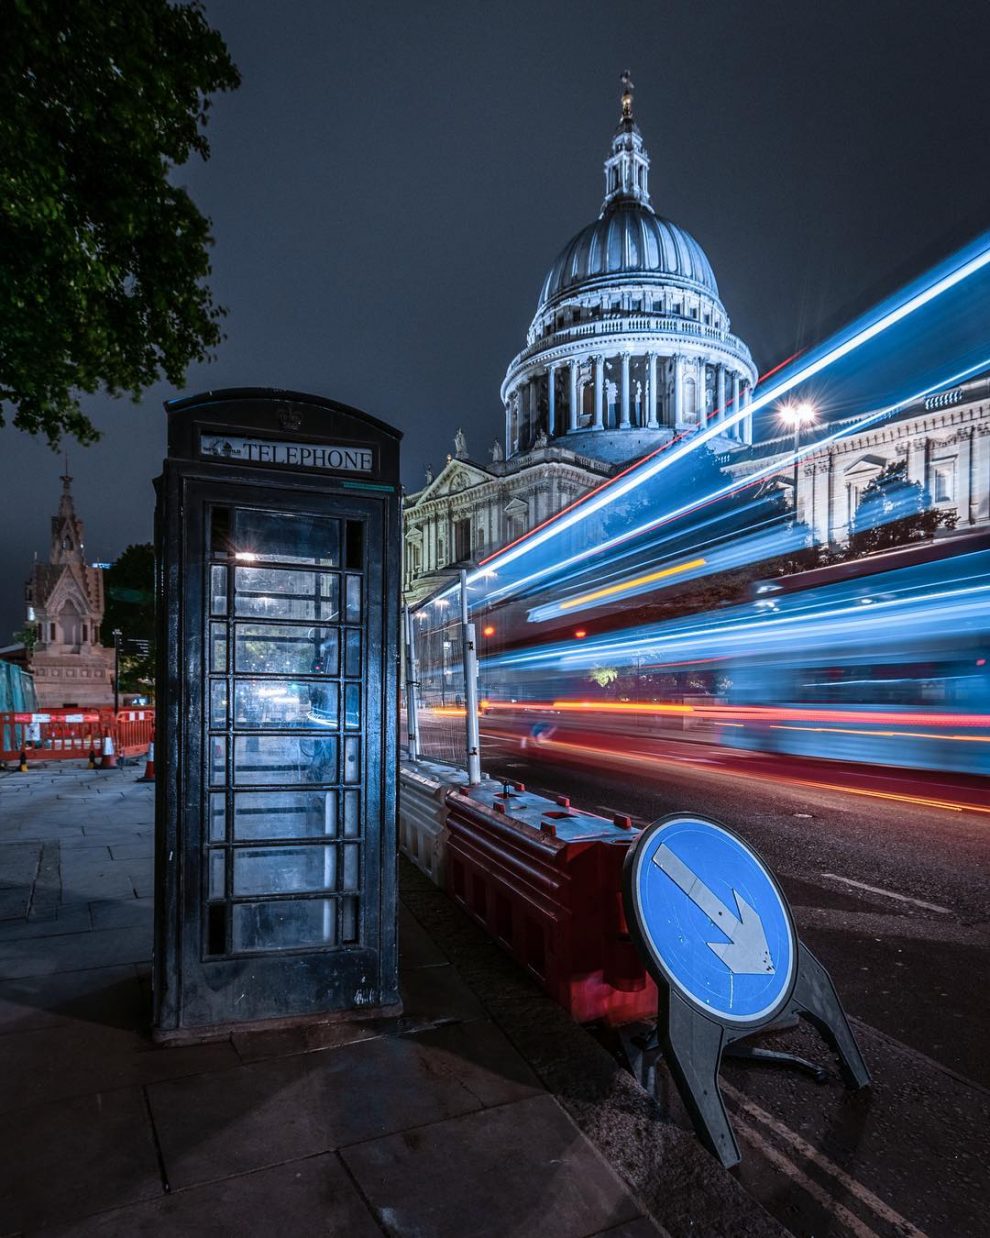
(72, 734)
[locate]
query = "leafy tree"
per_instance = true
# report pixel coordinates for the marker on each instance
(894, 511)
(103, 260)
(27, 636)
(129, 588)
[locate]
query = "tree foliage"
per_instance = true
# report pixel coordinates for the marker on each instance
(129, 589)
(103, 260)
(894, 511)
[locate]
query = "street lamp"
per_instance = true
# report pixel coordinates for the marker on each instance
(116, 669)
(797, 415)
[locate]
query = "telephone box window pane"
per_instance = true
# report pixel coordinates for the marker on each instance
(218, 761)
(354, 551)
(218, 872)
(277, 703)
(285, 814)
(219, 532)
(218, 817)
(270, 649)
(287, 924)
(218, 704)
(218, 590)
(218, 647)
(284, 870)
(352, 759)
(352, 653)
(280, 593)
(352, 600)
(350, 878)
(349, 927)
(352, 705)
(282, 538)
(262, 760)
(352, 814)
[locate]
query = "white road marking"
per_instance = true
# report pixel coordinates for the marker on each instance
(901, 898)
(848, 1183)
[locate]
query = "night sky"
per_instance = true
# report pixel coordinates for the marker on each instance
(391, 182)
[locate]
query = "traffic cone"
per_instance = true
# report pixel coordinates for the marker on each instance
(149, 765)
(109, 758)
(22, 765)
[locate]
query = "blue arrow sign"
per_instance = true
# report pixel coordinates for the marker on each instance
(714, 919)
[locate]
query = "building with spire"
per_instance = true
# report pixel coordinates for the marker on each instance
(629, 345)
(65, 606)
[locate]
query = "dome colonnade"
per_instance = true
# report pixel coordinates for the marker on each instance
(629, 332)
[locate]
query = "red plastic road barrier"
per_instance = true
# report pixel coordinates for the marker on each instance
(555, 906)
(70, 734)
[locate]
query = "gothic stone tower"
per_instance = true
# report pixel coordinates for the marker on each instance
(65, 602)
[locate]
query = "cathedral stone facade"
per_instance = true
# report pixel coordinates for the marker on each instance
(65, 605)
(630, 346)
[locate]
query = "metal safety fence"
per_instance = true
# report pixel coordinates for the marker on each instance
(74, 734)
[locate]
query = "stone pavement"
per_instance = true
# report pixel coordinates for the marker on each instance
(446, 1121)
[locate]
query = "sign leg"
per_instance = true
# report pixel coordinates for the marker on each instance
(816, 1000)
(692, 1046)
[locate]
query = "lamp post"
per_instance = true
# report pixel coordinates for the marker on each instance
(797, 415)
(116, 669)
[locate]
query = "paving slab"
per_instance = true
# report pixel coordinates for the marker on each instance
(74, 952)
(75, 1157)
(520, 1169)
(313, 1196)
(104, 995)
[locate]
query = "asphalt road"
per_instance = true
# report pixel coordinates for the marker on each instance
(891, 892)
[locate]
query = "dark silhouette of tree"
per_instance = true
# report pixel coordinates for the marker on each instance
(129, 589)
(894, 511)
(103, 259)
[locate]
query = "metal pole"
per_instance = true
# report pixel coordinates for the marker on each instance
(470, 688)
(116, 670)
(412, 705)
(797, 442)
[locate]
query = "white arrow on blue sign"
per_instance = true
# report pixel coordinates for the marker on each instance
(714, 919)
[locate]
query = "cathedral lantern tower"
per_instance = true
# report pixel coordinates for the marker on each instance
(65, 604)
(630, 343)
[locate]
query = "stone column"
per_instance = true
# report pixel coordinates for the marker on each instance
(534, 409)
(599, 391)
(624, 422)
(572, 407)
(678, 389)
(551, 400)
(702, 381)
(734, 431)
(651, 390)
(720, 393)
(747, 425)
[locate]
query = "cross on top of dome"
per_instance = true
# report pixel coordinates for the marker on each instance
(627, 94)
(627, 167)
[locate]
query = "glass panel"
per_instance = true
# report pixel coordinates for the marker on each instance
(352, 814)
(284, 925)
(352, 705)
(271, 703)
(352, 652)
(218, 590)
(218, 817)
(352, 600)
(218, 703)
(354, 548)
(219, 532)
(352, 759)
(283, 538)
(285, 814)
(273, 650)
(218, 761)
(284, 870)
(218, 870)
(349, 931)
(266, 759)
(218, 647)
(279, 593)
(350, 878)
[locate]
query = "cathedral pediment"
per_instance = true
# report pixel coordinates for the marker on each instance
(456, 476)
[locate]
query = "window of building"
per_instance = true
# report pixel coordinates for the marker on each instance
(462, 539)
(943, 481)
(51, 631)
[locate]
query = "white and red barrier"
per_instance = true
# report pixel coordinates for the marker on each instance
(74, 734)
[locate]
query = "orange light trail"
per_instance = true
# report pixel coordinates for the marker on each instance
(624, 586)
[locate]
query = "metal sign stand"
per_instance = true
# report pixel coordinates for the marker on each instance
(688, 882)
